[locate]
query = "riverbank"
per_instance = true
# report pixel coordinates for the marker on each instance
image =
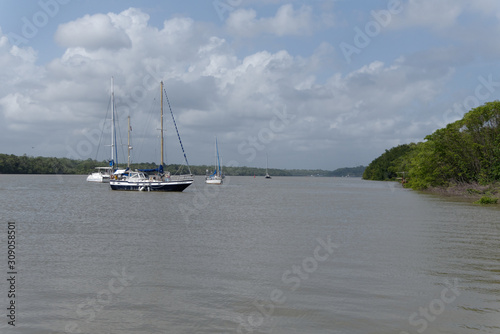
(470, 191)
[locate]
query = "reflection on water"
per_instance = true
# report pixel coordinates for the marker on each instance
(250, 256)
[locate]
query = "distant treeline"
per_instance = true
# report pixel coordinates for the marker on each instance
(466, 151)
(12, 164)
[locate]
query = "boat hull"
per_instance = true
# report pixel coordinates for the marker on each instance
(151, 186)
(215, 181)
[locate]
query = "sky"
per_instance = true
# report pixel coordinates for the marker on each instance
(319, 84)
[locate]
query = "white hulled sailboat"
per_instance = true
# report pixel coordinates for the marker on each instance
(267, 174)
(103, 174)
(216, 177)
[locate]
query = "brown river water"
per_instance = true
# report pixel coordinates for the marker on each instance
(286, 255)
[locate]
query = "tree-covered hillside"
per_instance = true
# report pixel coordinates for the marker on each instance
(466, 151)
(389, 165)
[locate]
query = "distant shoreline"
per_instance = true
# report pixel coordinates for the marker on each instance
(257, 175)
(12, 164)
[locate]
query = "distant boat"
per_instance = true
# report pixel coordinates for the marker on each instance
(267, 174)
(216, 177)
(152, 179)
(103, 174)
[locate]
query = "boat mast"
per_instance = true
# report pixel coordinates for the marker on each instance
(112, 123)
(219, 172)
(128, 142)
(215, 164)
(267, 162)
(161, 121)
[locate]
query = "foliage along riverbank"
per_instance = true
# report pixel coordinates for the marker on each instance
(461, 159)
(12, 164)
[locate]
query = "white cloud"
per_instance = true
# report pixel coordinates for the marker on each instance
(287, 21)
(93, 33)
(434, 14)
(441, 15)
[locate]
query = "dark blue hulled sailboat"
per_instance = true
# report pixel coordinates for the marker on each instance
(152, 179)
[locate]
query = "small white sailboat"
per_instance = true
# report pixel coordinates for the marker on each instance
(152, 179)
(267, 174)
(216, 177)
(103, 174)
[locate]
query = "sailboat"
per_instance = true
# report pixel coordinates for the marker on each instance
(151, 179)
(103, 174)
(216, 177)
(267, 174)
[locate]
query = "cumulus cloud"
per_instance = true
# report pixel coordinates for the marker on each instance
(438, 14)
(441, 15)
(287, 21)
(92, 33)
(460, 26)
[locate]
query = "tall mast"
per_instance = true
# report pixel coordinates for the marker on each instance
(112, 122)
(161, 121)
(218, 159)
(128, 142)
(267, 162)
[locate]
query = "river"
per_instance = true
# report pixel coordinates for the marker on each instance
(286, 255)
